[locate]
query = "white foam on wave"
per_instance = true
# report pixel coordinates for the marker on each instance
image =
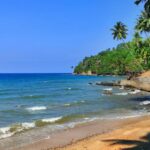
(145, 103)
(84, 120)
(75, 102)
(28, 125)
(124, 116)
(126, 93)
(6, 131)
(67, 104)
(51, 119)
(36, 108)
(135, 92)
(6, 135)
(16, 128)
(123, 94)
(107, 89)
(127, 117)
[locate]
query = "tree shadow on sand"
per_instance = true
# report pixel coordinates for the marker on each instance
(143, 144)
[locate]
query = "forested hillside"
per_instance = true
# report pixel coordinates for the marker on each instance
(127, 57)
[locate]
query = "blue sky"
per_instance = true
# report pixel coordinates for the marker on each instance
(52, 35)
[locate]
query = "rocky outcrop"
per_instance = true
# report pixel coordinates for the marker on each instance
(88, 73)
(145, 86)
(108, 83)
(141, 82)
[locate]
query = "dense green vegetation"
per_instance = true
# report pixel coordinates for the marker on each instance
(127, 57)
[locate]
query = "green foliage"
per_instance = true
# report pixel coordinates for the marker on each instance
(146, 5)
(119, 31)
(143, 23)
(128, 57)
(117, 61)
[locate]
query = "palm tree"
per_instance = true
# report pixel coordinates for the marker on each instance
(143, 23)
(138, 42)
(137, 36)
(119, 31)
(146, 5)
(137, 39)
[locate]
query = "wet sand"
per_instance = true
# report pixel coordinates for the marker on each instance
(97, 135)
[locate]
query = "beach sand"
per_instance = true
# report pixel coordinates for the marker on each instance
(135, 136)
(125, 134)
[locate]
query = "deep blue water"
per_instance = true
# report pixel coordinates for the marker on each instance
(32, 97)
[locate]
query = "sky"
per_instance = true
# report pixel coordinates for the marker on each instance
(50, 36)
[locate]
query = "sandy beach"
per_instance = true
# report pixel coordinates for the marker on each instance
(134, 136)
(131, 133)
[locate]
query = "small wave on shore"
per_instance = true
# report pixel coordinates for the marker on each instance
(20, 127)
(71, 89)
(123, 93)
(75, 103)
(36, 108)
(126, 93)
(16, 128)
(145, 103)
(51, 119)
(33, 96)
(107, 89)
(135, 92)
(57, 123)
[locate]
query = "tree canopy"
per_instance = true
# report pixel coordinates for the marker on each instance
(127, 57)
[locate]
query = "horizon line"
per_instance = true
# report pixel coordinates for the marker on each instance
(36, 73)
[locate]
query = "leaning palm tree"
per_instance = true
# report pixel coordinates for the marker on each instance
(119, 31)
(146, 5)
(143, 23)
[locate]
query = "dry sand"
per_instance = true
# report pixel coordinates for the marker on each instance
(145, 74)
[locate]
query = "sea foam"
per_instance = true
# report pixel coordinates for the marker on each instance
(145, 103)
(123, 94)
(4, 129)
(107, 89)
(67, 104)
(11, 130)
(27, 125)
(36, 108)
(51, 119)
(135, 92)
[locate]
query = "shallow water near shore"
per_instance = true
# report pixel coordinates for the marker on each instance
(61, 101)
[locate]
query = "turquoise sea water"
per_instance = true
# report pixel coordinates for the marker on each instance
(62, 98)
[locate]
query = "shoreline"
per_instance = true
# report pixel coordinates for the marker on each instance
(133, 136)
(68, 138)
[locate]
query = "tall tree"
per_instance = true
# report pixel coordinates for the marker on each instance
(137, 39)
(146, 5)
(143, 23)
(119, 31)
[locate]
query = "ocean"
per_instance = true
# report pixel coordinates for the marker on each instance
(62, 100)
